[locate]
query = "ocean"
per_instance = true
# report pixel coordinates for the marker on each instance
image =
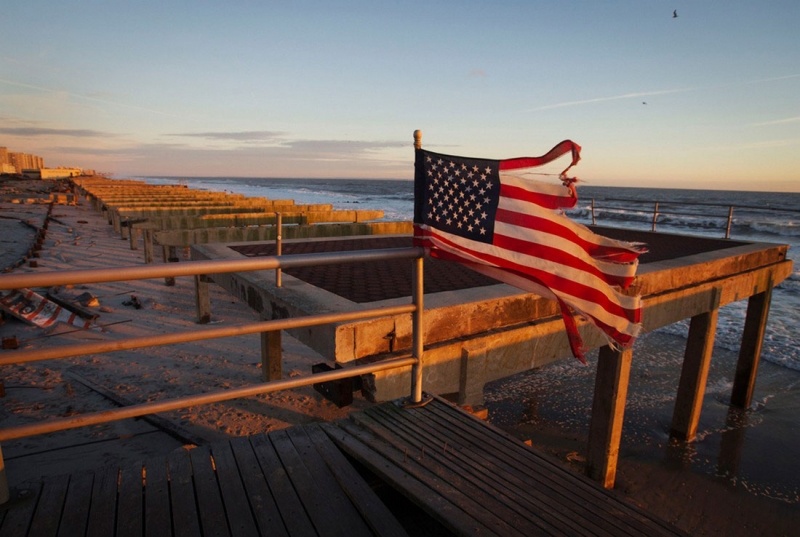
(744, 452)
(757, 216)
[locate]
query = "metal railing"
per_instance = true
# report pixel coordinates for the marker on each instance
(204, 268)
(654, 210)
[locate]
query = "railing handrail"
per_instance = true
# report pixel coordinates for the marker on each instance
(697, 203)
(195, 268)
(657, 209)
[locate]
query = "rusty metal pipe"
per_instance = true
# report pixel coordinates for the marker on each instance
(81, 349)
(191, 268)
(133, 411)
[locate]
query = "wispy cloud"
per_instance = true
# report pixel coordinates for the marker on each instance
(795, 119)
(772, 79)
(341, 146)
(40, 131)
(241, 136)
(88, 98)
(633, 95)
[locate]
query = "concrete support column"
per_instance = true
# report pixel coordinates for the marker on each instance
(608, 411)
(473, 376)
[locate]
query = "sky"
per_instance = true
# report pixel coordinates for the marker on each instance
(709, 99)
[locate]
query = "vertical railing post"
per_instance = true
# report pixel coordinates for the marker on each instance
(655, 216)
(417, 295)
(5, 494)
(730, 222)
(594, 217)
(278, 247)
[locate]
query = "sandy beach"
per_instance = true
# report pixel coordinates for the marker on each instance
(740, 477)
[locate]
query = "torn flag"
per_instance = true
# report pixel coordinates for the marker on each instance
(488, 215)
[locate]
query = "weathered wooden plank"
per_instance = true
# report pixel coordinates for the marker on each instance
(76, 506)
(608, 411)
(209, 500)
(441, 500)
(289, 504)
(262, 503)
(573, 496)
(21, 508)
(358, 443)
(237, 507)
(103, 502)
(48, 510)
(335, 504)
(372, 509)
(314, 491)
(450, 465)
(186, 522)
(498, 479)
(157, 516)
(129, 503)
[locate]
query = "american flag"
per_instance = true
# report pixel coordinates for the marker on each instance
(490, 216)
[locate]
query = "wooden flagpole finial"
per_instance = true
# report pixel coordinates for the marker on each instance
(417, 139)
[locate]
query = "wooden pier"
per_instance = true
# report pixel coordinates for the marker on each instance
(439, 470)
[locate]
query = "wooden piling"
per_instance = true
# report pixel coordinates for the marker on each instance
(608, 411)
(750, 351)
(271, 356)
(694, 373)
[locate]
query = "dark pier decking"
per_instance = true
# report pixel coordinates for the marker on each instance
(461, 476)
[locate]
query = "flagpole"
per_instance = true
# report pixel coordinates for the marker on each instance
(417, 293)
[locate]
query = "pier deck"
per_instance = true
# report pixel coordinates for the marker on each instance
(458, 475)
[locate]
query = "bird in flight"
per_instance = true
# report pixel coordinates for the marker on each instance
(675, 14)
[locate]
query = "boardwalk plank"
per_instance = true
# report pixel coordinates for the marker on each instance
(289, 504)
(471, 477)
(185, 520)
(129, 506)
(157, 517)
(265, 510)
(574, 490)
(50, 506)
(209, 500)
(76, 506)
(314, 491)
(440, 501)
(21, 508)
(528, 497)
(102, 514)
(512, 502)
(324, 490)
(237, 508)
(583, 498)
(375, 513)
(487, 507)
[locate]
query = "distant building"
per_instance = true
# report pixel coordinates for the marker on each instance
(32, 166)
(13, 162)
(52, 173)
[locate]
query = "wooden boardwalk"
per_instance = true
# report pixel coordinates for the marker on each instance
(467, 476)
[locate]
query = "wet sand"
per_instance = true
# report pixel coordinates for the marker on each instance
(741, 477)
